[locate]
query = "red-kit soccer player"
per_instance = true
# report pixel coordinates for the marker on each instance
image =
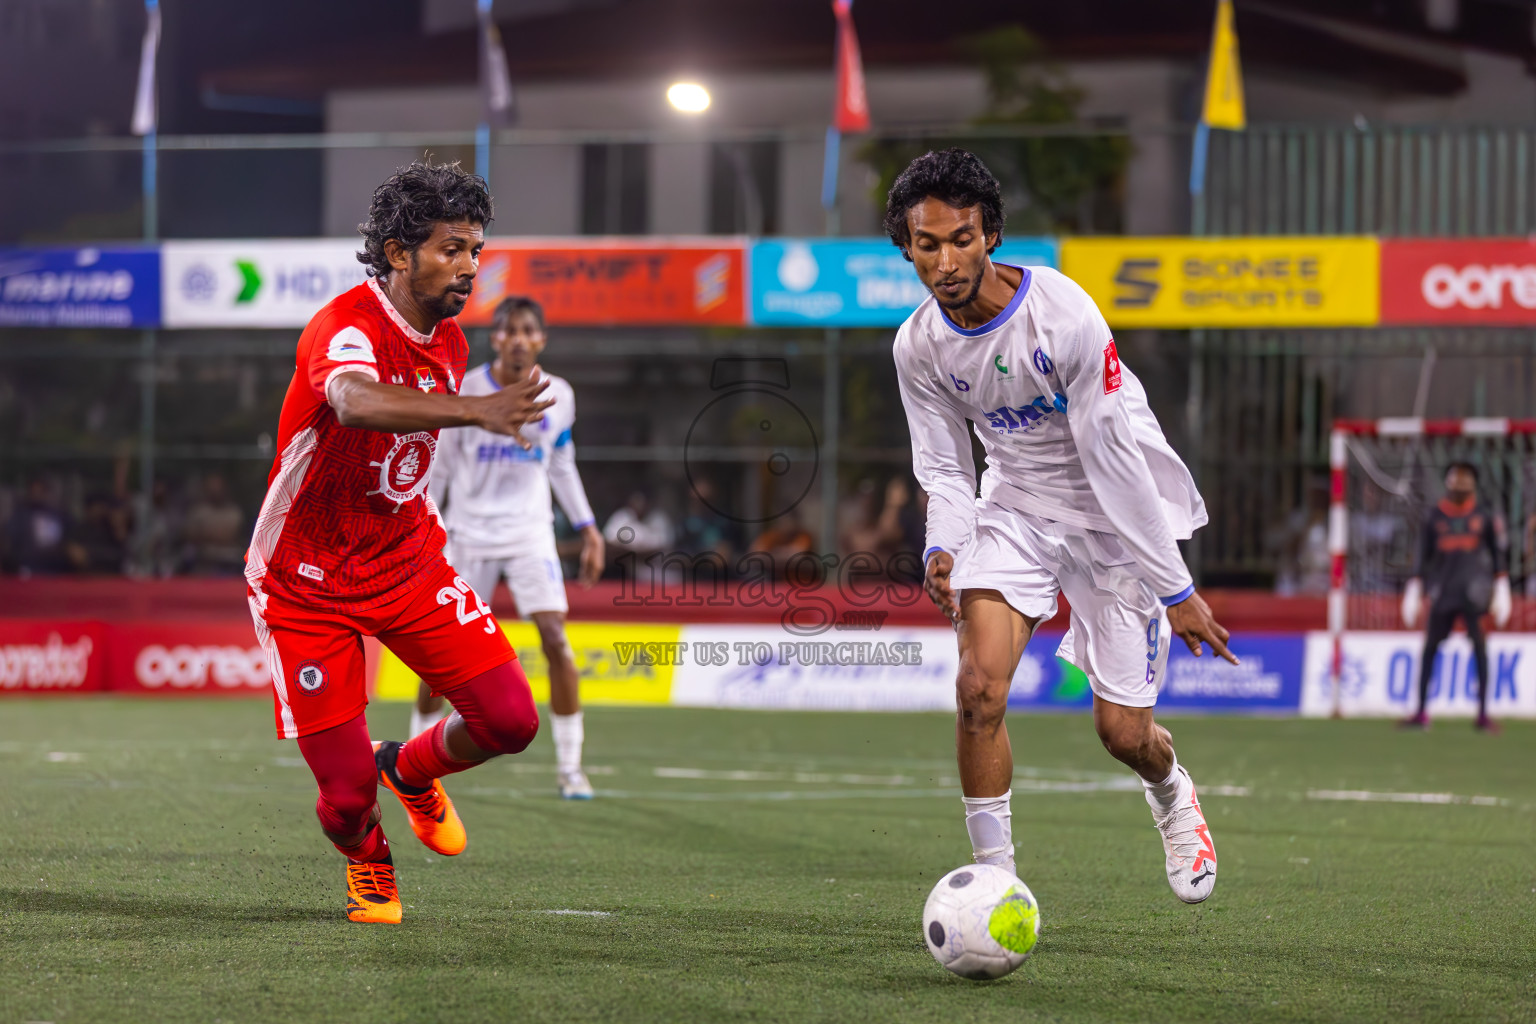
(348, 543)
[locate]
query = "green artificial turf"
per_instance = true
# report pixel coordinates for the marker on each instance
(161, 861)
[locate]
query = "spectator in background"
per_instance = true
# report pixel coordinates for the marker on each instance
(703, 529)
(639, 529)
(214, 535)
(40, 534)
(784, 540)
(105, 532)
(159, 556)
(872, 524)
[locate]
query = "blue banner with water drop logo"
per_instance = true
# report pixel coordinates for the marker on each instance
(852, 282)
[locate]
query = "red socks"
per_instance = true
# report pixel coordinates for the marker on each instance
(425, 758)
(373, 847)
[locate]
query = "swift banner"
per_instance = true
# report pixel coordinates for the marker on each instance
(1228, 282)
(1448, 281)
(852, 282)
(79, 287)
(258, 283)
(615, 282)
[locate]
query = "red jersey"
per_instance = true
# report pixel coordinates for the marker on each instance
(347, 522)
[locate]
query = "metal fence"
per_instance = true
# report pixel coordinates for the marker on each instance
(1420, 181)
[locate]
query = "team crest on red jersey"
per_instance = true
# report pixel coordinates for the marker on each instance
(1111, 367)
(312, 677)
(406, 468)
(425, 380)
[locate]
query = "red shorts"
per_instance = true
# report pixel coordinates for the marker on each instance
(440, 629)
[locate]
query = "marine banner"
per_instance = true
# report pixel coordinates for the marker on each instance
(85, 287)
(1261, 281)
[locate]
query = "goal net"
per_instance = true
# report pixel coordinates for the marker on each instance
(1386, 475)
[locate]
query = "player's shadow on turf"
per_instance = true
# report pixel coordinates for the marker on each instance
(43, 901)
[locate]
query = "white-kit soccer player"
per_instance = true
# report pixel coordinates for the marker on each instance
(1082, 496)
(501, 524)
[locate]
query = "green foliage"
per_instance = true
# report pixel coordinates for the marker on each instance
(1066, 182)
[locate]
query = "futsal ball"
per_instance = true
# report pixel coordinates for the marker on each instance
(981, 922)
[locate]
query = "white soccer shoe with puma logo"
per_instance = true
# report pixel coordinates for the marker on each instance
(1191, 857)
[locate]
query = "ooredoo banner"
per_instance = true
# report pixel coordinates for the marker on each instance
(187, 658)
(51, 657)
(615, 282)
(1458, 281)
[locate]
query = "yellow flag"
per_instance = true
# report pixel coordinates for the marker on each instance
(1224, 78)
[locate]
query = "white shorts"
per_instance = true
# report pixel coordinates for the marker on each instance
(533, 576)
(1119, 629)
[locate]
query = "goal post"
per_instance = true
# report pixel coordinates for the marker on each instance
(1384, 476)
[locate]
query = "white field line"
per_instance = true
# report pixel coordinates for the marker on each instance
(576, 913)
(1368, 796)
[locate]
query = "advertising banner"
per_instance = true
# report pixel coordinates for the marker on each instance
(51, 657)
(1486, 281)
(255, 283)
(618, 663)
(1267, 682)
(1269, 281)
(1381, 676)
(187, 659)
(852, 282)
(615, 282)
(87, 287)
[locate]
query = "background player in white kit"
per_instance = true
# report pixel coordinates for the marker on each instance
(1082, 495)
(501, 525)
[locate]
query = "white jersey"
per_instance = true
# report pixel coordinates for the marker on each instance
(497, 493)
(1066, 427)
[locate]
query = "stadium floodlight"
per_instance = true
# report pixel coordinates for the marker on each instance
(688, 97)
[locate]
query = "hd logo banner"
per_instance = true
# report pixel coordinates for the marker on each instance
(1278, 281)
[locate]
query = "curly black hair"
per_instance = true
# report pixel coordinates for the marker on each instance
(412, 201)
(954, 176)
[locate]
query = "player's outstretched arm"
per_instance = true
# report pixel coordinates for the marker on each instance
(364, 403)
(1191, 620)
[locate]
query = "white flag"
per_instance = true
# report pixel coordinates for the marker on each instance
(495, 80)
(144, 97)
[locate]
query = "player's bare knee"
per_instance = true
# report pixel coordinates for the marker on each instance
(982, 700)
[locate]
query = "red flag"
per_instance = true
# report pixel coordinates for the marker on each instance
(851, 113)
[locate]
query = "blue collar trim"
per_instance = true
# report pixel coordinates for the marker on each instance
(1001, 318)
(491, 377)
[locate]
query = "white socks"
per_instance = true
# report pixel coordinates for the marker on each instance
(420, 723)
(1164, 796)
(568, 733)
(989, 820)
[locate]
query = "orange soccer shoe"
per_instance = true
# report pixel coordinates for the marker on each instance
(433, 818)
(372, 897)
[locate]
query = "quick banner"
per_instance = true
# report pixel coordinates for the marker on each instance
(1279, 281)
(1380, 676)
